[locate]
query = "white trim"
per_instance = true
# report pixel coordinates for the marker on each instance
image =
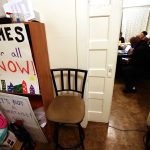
(83, 45)
(76, 22)
(135, 6)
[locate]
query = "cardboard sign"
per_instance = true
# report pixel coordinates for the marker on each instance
(17, 69)
(18, 108)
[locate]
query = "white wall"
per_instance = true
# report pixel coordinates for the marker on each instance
(67, 48)
(60, 21)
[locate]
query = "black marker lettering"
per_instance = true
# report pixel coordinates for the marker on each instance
(2, 34)
(7, 31)
(18, 31)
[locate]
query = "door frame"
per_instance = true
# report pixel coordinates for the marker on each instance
(82, 39)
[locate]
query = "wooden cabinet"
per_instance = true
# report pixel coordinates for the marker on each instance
(37, 38)
(12, 78)
(38, 44)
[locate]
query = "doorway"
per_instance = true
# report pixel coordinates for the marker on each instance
(129, 112)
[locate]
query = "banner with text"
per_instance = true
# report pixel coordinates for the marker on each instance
(16, 107)
(17, 69)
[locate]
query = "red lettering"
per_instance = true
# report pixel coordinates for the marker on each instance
(10, 65)
(24, 69)
(3, 66)
(33, 68)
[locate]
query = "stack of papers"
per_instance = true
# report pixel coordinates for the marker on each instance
(2, 12)
(40, 115)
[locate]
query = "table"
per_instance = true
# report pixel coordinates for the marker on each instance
(122, 54)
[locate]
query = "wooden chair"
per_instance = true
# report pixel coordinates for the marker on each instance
(68, 106)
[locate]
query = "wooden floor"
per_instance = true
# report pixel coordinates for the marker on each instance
(129, 112)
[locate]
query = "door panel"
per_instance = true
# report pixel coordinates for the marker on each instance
(100, 23)
(95, 56)
(94, 106)
(96, 84)
(96, 88)
(100, 2)
(104, 22)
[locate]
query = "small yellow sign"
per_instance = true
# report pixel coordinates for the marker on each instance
(32, 78)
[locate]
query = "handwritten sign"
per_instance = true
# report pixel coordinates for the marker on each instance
(18, 108)
(17, 69)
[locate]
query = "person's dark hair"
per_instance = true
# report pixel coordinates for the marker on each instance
(134, 41)
(144, 32)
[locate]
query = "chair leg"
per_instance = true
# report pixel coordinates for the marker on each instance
(56, 138)
(82, 136)
(56, 135)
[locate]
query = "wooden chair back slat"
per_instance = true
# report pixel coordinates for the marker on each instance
(76, 77)
(69, 84)
(62, 80)
(76, 83)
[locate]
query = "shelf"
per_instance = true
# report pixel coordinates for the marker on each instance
(35, 100)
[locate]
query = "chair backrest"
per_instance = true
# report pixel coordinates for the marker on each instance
(68, 77)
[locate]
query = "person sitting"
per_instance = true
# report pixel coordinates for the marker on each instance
(121, 38)
(138, 64)
(143, 36)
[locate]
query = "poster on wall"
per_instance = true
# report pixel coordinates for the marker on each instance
(17, 69)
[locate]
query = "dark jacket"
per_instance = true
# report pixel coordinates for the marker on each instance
(140, 58)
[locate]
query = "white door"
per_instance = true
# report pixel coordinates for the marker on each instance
(104, 28)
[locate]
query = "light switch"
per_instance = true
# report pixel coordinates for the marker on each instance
(109, 73)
